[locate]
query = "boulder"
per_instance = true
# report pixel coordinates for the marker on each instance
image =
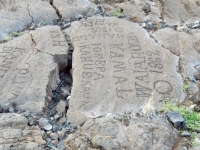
(117, 67)
(29, 68)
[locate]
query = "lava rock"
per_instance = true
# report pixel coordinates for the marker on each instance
(31, 121)
(54, 136)
(58, 116)
(43, 122)
(61, 107)
(48, 127)
(176, 119)
(185, 134)
(146, 8)
(197, 75)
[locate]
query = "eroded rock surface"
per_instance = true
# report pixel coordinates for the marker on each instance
(29, 68)
(117, 67)
(70, 9)
(170, 11)
(15, 134)
(110, 134)
(16, 15)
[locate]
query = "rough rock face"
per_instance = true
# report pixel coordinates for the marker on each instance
(170, 11)
(15, 134)
(29, 68)
(18, 14)
(110, 134)
(69, 9)
(185, 45)
(117, 67)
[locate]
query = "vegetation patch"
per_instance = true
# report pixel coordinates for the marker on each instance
(191, 117)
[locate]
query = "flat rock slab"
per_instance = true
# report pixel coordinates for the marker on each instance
(29, 68)
(69, 9)
(18, 14)
(117, 67)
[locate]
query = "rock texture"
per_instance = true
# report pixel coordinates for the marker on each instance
(185, 45)
(110, 134)
(29, 68)
(15, 134)
(16, 15)
(170, 11)
(71, 9)
(117, 67)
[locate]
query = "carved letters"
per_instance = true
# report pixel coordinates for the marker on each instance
(107, 44)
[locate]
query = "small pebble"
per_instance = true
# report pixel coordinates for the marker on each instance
(48, 127)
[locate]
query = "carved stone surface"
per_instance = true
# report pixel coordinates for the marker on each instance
(69, 9)
(29, 67)
(117, 67)
(18, 14)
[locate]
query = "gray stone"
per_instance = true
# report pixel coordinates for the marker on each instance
(31, 121)
(54, 136)
(61, 107)
(61, 134)
(27, 11)
(48, 127)
(185, 134)
(197, 75)
(26, 66)
(69, 9)
(58, 116)
(176, 118)
(43, 122)
(117, 52)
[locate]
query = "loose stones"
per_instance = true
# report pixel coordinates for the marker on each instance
(117, 67)
(29, 68)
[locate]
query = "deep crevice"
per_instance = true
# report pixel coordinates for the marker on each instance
(57, 11)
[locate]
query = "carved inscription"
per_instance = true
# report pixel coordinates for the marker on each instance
(93, 64)
(56, 37)
(8, 56)
(19, 83)
(133, 68)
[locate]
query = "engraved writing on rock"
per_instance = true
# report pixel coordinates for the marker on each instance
(117, 68)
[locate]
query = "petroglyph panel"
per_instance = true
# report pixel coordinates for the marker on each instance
(117, 67)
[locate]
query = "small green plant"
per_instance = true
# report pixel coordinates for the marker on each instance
(43, 23)
(192, 118)
(7, 37)
(117, 13)
(11, 35)
(185, 87)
